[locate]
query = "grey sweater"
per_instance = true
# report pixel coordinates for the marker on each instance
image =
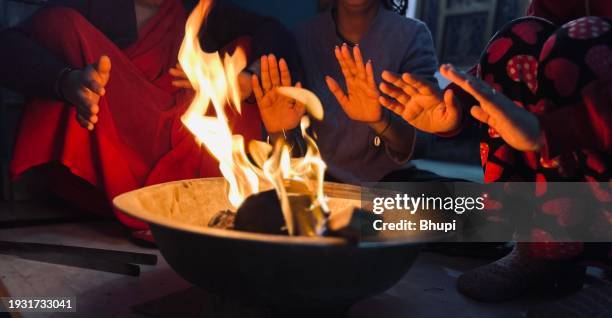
(393, 43)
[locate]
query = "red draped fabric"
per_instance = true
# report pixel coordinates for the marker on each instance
(139, 139)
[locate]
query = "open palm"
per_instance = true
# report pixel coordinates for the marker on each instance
(420, 103)
(278, 112)
(360, 102)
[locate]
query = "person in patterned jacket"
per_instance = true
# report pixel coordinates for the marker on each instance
(543, 96)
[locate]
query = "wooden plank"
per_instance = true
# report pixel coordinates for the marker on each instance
(4, 293)
(15, 248)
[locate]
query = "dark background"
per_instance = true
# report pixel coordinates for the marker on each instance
(460, 29)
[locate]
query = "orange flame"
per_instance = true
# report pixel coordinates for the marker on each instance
(215, 81)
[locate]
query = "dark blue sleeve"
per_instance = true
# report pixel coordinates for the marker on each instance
(420, 59)
(228, 22)
(32, 70)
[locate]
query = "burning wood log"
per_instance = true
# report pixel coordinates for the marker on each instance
(309, 219)
(301, 201)
(261, 213)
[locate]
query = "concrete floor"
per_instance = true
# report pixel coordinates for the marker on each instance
(427, 290)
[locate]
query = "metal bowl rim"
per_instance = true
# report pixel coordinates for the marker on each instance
(119, 203)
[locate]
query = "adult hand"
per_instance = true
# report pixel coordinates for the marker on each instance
(83, 88)
(360, 101)
(420, 103)
(278, 112)
(518, 127)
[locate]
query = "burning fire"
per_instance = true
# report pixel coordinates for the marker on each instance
(215, 82)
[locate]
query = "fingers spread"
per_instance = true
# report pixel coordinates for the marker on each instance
(392, 105)
(343, 66)
(265, 74)
(469, 83)
(389, 77)
(337, 91)
(284, 73)
(360, 68)
(420, 84)
(396, 81)
(274, 72)
(395, 92)
(370, 75)
(348, 60)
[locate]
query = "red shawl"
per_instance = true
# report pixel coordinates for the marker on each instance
(139, 139)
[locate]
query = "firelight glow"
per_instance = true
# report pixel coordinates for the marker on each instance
(215, 81)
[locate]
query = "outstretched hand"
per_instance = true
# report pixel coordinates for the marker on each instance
(278, 112)
(420, 103)
(83, 89)
(360, 101)
(518, 127)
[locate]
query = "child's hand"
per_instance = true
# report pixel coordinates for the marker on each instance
(83, 88)
(420, 103)
(518, 127)
(361, 104)
(278, 112)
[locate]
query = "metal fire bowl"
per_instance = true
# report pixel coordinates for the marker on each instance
(281, 271)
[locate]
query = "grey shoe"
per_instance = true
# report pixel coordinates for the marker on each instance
(517, 274)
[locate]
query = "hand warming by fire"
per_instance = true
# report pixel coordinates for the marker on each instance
(214, 80)
(302, 163)
(360, 102)
(278, 111)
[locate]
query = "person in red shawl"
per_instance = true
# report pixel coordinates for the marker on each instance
(104, 98)
(543, 96)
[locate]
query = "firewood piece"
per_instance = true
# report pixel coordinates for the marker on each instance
(261, 213)
(309, 219)
(353, 224)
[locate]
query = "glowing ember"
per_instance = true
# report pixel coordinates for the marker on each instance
(215, 81)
